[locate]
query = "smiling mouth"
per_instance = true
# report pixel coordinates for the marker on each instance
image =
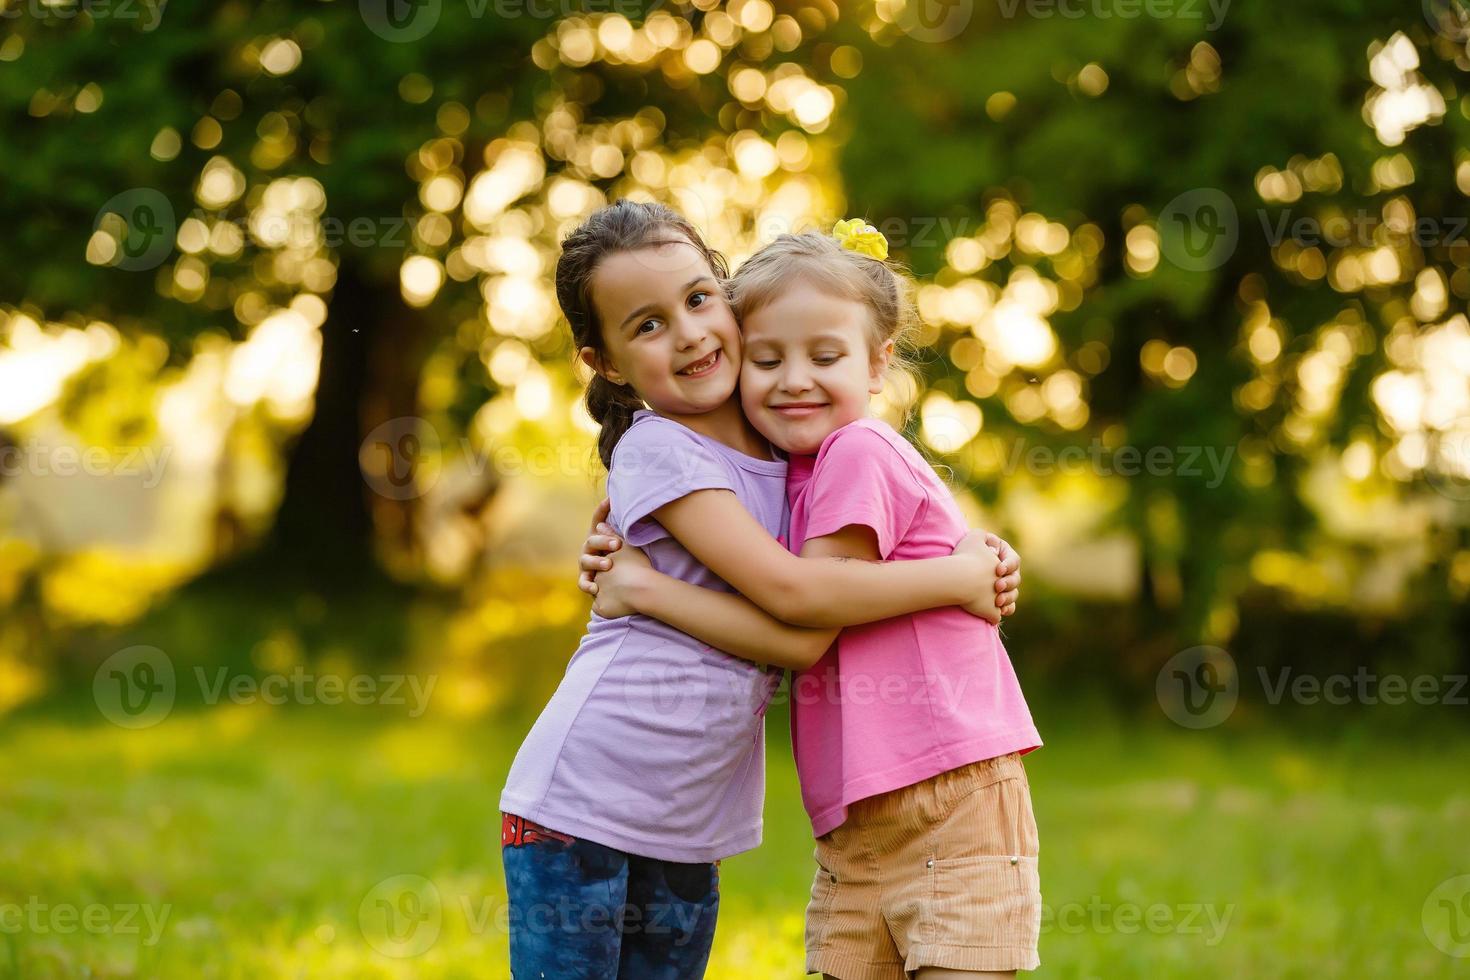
(701, 367)
(799, 410)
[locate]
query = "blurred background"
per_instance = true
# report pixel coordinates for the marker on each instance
(295, 471)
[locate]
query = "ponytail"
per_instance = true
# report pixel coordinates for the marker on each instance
(611, 406)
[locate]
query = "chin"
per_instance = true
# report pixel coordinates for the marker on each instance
(794, 444)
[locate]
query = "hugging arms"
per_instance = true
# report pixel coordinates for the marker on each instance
(788, 618)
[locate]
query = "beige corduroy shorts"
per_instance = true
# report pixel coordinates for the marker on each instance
(941, 873)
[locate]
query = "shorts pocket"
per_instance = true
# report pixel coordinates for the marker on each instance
(992, 819)
(819, 907)
(966, 781)
(989, 900)
(594, 861)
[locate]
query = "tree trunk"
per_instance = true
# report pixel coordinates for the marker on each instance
(373, 348)
(322, 528)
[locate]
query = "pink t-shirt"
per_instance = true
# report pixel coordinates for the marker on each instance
(896, 702)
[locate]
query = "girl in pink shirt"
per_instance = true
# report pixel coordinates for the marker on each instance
(907, 732)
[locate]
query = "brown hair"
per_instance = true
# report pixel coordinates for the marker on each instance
(882, 286)
(622, 226)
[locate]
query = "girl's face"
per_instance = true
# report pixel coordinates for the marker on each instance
(808, 370)
(667, 329)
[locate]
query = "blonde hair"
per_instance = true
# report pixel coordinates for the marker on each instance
(883, 286)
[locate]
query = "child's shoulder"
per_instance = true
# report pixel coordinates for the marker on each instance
(649, 428)
(868, 437)
(654, 443)
(872, 446)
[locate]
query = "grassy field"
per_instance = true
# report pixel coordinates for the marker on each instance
(246, 841)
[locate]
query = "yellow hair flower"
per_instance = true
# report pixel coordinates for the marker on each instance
(856, 235)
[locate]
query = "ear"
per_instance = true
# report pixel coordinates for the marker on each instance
(878, 367)
(592, 357)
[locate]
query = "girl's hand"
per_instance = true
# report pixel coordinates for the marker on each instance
(619, 585)
(601, 542)
(986, 563)
(1008, 586)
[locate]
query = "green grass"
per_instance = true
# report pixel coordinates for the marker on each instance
(262, 833)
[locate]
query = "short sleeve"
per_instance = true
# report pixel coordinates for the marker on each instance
(657, 461)
(861, 478)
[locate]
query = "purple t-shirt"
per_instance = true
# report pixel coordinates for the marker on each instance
(654, 743)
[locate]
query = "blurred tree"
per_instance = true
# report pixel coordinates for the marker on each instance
(1191, 148)
(1092, 203)
(220, 104)
(287, 145)
(276, 91)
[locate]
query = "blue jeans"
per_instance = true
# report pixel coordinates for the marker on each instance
(583, 911)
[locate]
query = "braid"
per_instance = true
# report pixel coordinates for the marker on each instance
(611, 407)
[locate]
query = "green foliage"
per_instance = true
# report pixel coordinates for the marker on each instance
(1096, 123)
(1292, 79)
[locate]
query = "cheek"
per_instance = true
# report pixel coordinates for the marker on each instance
(753, 387)
(850, 385)
(650, 362)
(734, 339)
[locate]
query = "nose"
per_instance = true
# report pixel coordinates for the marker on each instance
(795, 378)
(689, 331)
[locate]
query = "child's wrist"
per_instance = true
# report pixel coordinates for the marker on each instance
(969, 571)
(642, 590)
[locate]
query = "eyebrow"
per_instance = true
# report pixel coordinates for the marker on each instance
(821, 338)
(646, 307)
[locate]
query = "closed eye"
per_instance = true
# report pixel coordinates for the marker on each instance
(766, 365)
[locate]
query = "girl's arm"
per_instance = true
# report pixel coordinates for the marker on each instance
(602, 540)
(827, 591)
(725, 621)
